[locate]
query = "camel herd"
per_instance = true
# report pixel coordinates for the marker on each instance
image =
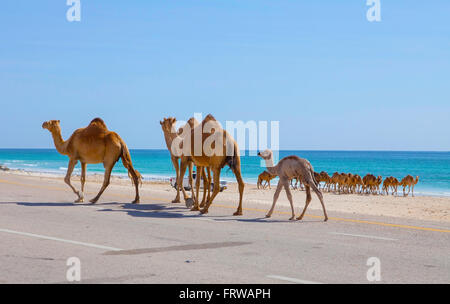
(96, 144)
(344, 183)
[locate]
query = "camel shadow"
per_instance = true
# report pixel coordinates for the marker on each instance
(152, 211)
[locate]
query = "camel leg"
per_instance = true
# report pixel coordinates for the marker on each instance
(269, 184)
(205, 189)
(308, 200)
(82, 180)
(289, 196)
(191, 180)
(275, 198)
(320, 196)
(197, 188)
(70, 168)
(216, 180)
(241, 190)
(177, 171)
(208, 170)
(108, 169)
(180, 187)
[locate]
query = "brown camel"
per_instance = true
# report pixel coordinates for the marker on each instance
(286, 169)
(205, 154)
(357, 184)
(264, 177)
(409, 182)
(170, 134)
(92, 145)
(371, 183)
(325, 178)
(168, 127)
(298, 183)
(334, 180)
(390, 183)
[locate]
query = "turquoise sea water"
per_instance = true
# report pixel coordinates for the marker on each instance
(432, 167)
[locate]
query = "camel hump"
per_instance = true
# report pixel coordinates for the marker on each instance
(99, 122)
(208, 117)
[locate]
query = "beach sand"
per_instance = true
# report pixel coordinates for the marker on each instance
(419, 207)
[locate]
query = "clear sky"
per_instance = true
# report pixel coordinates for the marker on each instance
(334, 80)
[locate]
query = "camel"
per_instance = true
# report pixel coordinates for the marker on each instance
(298, 183)
(334, 180)
(168, 127)
(210, 132)
(371, 183)
(390, 182)
(409, 182)
(287, 168)
(264, 177)
(356, 184)
(92, 145)
(325, 178)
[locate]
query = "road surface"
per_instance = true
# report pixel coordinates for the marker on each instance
(160, 242)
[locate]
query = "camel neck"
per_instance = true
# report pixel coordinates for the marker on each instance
(59, 142)
(270, 167)
(169, 137)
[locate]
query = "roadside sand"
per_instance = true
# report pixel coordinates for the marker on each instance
(420, 207)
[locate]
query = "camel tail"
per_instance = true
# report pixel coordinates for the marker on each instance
(313, 177)
(233, 161)
(126, 161)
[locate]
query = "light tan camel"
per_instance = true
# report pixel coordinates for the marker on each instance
(208, 133)
(264, 177)
(409, 182)
(288, 167)
(170, 134)
(92, 145)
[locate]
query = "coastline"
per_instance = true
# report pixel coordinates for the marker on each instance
(154, 178)
(431, 208)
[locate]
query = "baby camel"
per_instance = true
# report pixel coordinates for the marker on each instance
(286, 169)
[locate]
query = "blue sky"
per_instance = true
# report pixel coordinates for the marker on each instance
(334, 80)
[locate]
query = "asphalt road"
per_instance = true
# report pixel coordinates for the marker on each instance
(160, 242)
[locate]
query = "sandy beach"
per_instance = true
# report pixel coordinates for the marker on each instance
(430, 208)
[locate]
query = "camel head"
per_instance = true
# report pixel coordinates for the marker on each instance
(266, 154)
(52, 126)
(168, 124)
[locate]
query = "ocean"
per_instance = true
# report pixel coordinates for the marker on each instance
(433, 168)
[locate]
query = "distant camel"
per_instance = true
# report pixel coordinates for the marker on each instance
(356, 184)
(264, 177)
(409, 182)
(371, 183)
(334, 180)
(92, 145)
(286, 169)
(390, 182)
(298, 183)
(323, 177)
